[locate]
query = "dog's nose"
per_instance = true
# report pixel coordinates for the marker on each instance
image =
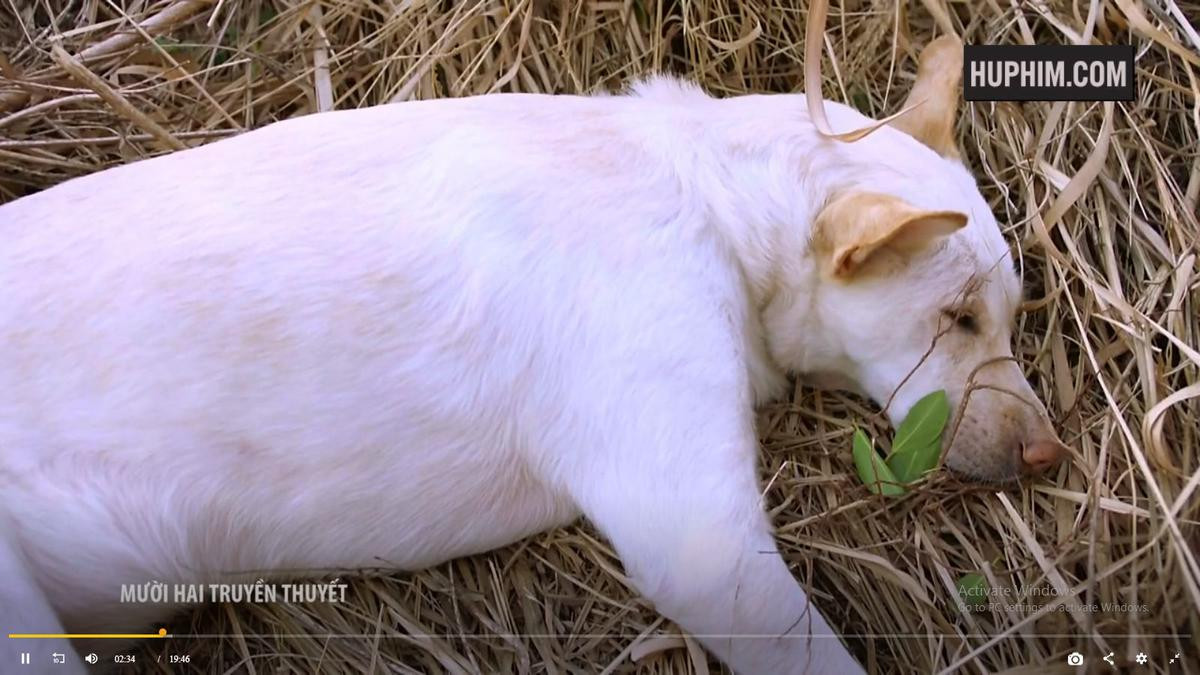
(1037, 456)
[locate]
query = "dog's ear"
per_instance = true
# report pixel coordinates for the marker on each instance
(855, 226)
(936, 90)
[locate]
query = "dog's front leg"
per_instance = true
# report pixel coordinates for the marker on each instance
(24, 608)
(675, 490)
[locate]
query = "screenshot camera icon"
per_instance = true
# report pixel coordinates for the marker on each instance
(1074, 659)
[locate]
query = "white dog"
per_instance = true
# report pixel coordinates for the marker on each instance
(398, 335)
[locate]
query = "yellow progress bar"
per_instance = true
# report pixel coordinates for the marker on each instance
(162, 633)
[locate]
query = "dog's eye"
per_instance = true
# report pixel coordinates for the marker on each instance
(964, 320)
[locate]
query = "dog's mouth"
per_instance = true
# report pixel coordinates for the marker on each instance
(1010, 481)
(980, 468)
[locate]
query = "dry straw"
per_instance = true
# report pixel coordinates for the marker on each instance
(1100, 201)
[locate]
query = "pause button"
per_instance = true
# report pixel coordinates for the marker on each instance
(25, 658)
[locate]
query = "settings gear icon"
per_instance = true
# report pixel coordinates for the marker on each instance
(1141, 659)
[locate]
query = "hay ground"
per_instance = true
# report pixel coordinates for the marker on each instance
(1099, 201)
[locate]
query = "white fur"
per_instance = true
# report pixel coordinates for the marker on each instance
(397, 335)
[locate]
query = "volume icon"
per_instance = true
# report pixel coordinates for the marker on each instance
(91, 658)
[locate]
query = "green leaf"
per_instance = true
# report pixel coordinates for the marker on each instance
(918, 444)
(973, 591)
(872, 470)
(913, 463)
(924, 423)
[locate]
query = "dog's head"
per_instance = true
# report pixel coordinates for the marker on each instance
(915, 288)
